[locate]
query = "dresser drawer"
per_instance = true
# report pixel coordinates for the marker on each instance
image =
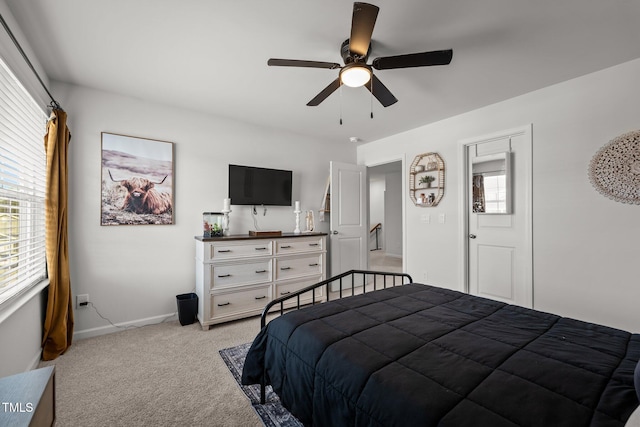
(299, 245)
(221, 251)
(285, 288)
(231, 303)
(226, 275)
(298, 266)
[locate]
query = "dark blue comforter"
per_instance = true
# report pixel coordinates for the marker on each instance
(417, 355)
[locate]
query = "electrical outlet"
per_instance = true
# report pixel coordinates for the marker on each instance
(82, 301)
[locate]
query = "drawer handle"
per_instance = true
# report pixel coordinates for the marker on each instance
(262, 297)
(285, 268)
(224, 275)
(313, 265)
(314, 244)
(285, 293)
(260, 271)
(220, 251)
(261, 249)
(222, 304)
(285, 247)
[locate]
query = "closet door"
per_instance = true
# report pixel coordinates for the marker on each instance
(500, 264)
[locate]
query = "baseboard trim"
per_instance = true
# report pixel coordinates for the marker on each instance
(35, 361)
(117, 327)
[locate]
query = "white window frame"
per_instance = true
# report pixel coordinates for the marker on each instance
(22, 181)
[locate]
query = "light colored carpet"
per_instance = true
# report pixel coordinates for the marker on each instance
(157, 375)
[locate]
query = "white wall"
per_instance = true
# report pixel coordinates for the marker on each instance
(21, 333)
(585, 245)
(133, 273)
(385, 206)
(14, 60)
(393, 214)
(377, 185)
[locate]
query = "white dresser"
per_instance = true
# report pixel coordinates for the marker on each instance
(236, 276)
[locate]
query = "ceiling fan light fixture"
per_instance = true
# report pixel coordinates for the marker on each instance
(355, 52)
(355, 75)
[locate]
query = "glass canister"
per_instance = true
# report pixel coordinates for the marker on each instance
(212, 224)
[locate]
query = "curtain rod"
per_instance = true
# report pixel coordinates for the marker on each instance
(54, 104)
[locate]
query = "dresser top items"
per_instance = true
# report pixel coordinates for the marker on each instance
(249, 237)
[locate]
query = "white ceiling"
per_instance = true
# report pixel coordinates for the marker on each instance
(211, 56)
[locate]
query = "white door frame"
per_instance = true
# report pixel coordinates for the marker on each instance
(463, 238)
(382, 161)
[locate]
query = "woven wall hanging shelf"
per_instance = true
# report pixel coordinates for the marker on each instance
(615, 169)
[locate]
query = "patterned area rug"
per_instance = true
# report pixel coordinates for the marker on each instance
(272, 413)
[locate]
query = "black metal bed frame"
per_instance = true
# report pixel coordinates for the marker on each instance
(326, 283)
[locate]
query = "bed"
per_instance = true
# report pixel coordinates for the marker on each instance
(421, 355)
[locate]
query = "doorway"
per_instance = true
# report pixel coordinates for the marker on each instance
(385, 242)
(497, 220)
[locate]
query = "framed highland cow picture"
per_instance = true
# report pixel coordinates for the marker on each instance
(137, 181)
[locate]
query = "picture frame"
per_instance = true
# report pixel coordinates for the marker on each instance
(137, 181)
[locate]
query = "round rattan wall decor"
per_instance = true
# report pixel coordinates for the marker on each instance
(615, 169)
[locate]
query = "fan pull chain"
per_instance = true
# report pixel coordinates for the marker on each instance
(340, 104)
(371, 99)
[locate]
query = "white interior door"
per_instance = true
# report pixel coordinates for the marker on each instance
(349, 218)
(499, 262)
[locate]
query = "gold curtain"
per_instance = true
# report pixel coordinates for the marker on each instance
(58, 323)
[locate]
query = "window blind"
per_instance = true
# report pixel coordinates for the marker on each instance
(22, 187)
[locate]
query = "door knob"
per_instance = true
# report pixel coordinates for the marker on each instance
(472, 236)
(334, 232)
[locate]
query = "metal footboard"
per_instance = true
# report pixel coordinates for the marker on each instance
(348, 279)
(341, 280)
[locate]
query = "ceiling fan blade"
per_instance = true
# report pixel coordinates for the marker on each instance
(362, 23)
(300, 63)
(422, 59)
(325, 93)
(381, 92)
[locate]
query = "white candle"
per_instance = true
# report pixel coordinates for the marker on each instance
(297, 205)
(227, 205)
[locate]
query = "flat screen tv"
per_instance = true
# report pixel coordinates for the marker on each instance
(250, 185)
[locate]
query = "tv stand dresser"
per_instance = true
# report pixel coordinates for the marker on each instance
(236, 276)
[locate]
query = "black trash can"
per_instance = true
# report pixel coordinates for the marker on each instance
(187, 308)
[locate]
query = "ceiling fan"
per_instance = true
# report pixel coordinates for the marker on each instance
(355, 52)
